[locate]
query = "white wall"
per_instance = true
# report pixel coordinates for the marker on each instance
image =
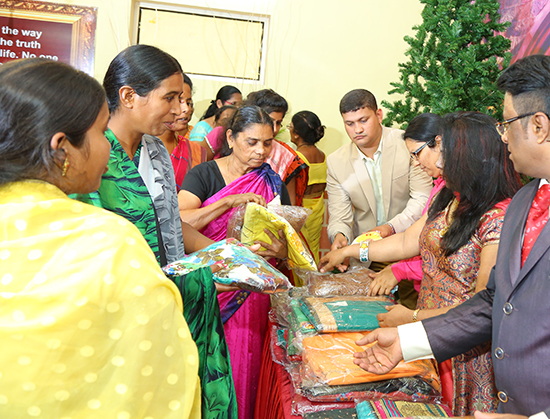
(317, 50)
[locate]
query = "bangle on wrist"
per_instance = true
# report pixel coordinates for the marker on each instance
(392, 229)
(415, 315)
(364, 251)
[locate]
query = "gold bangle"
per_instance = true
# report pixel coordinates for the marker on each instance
(415, 315)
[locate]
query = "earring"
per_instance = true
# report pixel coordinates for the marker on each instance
(65, 167)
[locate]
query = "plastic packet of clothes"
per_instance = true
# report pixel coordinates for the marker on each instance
(258, 219)
(382, 409)
(300, 405)
(327, 359)
(344, 314)
(424, 388)
(296, 216)
(355, 281)
(240, 267)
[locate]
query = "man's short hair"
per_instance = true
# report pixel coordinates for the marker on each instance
(357, 99)
(268, 100)
(528, 81)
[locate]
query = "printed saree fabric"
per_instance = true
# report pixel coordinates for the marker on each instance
(124, 192)
(288, 165)
(328, 360)
(89, 322)
(344, 314)
(261, 181)
(452, 280)
(185, 156)
(240, 267)
(202, 313)
(384, 409)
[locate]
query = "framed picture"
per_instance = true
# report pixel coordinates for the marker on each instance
(219, 45)
(56, 31)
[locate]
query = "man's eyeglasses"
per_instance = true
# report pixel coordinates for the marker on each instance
(416, 153)
(503, 126)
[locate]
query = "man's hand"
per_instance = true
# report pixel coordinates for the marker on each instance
(385, 230)
(339, 242)
(384, 355)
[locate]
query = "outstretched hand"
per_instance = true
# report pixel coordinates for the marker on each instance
(333, 259)
(382, 282)
(384, 355)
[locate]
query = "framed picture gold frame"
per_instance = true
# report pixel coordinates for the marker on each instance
(50, 30)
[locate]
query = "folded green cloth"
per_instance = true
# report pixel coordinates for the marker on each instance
(343, 314)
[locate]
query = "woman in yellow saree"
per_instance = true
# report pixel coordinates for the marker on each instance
(90, 326)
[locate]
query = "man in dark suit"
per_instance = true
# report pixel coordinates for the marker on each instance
(514, 310)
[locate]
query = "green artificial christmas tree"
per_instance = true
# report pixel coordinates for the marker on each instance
(455, 60)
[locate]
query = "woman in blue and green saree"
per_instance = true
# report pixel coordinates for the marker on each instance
(143, 86)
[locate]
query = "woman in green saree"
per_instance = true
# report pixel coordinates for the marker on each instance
(143, 86)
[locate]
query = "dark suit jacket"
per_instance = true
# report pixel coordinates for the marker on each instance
(514, 311)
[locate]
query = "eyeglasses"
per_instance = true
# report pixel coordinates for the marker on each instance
(416, 153)
(503, 126)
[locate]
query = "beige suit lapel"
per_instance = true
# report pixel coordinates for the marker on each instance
(363, 178)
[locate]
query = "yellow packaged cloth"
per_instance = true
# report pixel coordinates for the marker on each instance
(89, 324)
(258, 218)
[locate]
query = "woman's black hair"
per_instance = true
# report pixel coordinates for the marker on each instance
(269, 100)
(476, 165)
(187, 80)
(308, 126)
(142, 67)
(424, 128)
(244, 118)
(224, 94)
(39, 98)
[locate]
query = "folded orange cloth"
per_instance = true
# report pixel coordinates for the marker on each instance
(328, 359)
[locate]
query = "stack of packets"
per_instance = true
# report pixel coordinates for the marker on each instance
(314, 339)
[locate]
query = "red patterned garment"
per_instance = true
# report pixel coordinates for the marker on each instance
(452, 280)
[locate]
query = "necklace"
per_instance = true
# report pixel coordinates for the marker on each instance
(305, 145)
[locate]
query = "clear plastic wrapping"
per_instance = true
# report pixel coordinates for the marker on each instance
(296, 216)
(240, 267)
(383, 408)
(327, 359)
(257, 219)
(355, 281)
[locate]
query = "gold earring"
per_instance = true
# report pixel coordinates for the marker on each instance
(65, 167)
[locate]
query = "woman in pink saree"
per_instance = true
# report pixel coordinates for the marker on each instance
(209, 195)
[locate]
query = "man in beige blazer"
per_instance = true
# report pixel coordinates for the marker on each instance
(371, 182)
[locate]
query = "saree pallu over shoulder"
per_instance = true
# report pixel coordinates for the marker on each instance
(92, 323)
(202, 313)
(261, 181)
(124, 192)
(185, 156)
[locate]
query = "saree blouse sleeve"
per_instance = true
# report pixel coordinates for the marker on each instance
(491, 224)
